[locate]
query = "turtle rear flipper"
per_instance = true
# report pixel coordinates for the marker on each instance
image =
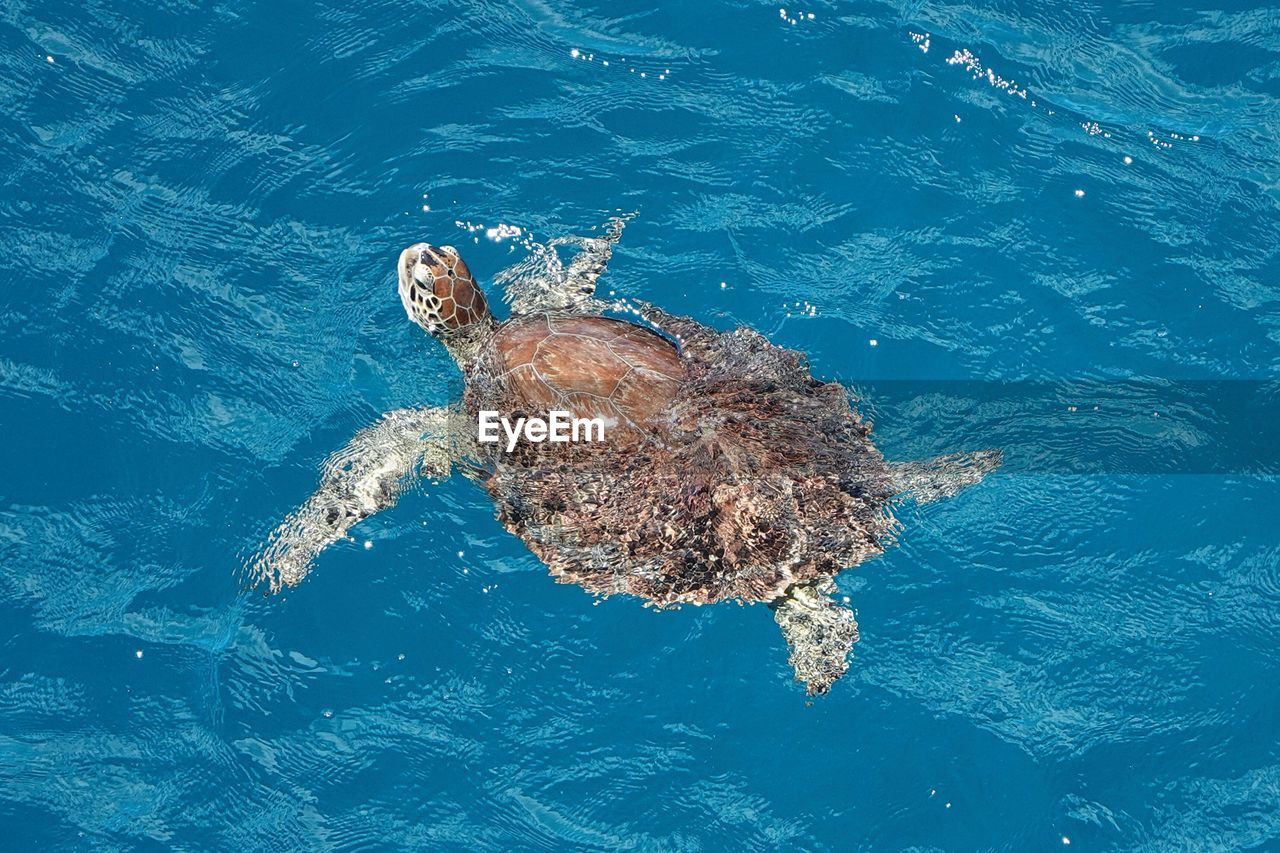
(819, 632)
(942, 476)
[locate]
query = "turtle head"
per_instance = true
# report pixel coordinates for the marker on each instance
(440, 295)
(438, 291)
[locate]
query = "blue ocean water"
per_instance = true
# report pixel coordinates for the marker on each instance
(200, 210)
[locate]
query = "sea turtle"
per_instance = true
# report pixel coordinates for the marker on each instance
(727, 472)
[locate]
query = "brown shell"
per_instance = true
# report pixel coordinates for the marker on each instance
(740, 474)
(590, 366)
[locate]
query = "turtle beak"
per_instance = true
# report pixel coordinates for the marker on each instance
(409, 262)
(414, 271)
(416, 263)
(432, 256)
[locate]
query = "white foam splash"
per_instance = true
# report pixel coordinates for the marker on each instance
(793, 20)
(575, 53)
(497, 233)
(974, 66)
(971, 63)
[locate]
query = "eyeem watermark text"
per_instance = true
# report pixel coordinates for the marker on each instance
(560, 427)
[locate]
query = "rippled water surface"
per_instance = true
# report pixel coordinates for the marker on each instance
(200, 208)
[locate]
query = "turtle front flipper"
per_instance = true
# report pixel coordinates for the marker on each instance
(942, 476)
(593, 258)
(366, 476)
(541, 284)
(819, 632)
